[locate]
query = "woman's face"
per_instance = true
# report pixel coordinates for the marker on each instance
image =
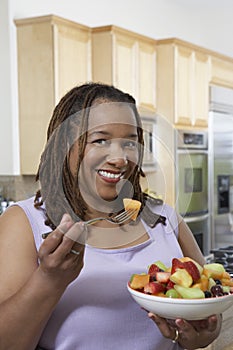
(111, 153)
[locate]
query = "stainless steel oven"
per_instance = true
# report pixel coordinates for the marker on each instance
(192, 184)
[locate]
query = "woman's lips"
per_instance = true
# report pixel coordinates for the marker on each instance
(110, 176)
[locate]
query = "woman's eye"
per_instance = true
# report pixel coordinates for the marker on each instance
(100, 142)
(130, 144)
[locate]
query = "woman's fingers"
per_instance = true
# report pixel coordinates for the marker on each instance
(165, 328)
(70, 241)
(65, 224)
(55, 238)
(63, 239)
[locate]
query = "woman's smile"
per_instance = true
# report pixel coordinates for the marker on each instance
(110, 176)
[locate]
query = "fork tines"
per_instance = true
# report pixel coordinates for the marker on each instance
(125, 215)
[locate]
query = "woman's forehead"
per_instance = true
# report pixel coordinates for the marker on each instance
(111, 113)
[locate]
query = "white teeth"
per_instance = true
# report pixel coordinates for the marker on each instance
(109, 175)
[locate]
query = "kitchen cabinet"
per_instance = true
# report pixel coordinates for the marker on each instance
(183, 75)
(126, 60)
(54, 55)
(222, 71)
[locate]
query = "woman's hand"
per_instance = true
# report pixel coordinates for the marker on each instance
(60, 255)
(190, 334)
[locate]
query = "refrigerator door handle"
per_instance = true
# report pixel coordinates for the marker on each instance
(196, 218)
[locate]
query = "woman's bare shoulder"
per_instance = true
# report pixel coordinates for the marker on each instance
(14, 217)
(18, 255)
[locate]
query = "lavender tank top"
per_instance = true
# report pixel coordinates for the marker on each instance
(96, 312)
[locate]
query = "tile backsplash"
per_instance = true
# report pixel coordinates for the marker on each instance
(18, 187)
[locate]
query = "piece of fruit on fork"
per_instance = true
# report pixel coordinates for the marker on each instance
(132, 205)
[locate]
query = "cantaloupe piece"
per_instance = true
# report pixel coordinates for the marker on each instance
(139, 281)
(132, 204)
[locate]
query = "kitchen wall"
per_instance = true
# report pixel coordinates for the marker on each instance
(205, 23)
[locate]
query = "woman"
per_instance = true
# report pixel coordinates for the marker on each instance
(61, 293)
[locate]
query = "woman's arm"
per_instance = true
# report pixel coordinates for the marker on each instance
(188, 243)
(29, 292)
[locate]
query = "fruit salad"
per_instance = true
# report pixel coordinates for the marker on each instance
(184, 279)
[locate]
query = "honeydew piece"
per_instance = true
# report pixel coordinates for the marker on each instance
(182, 277)
(132, 204)
(189, 293)
(226, 289)
(161, 265)
(215, 267)
(214, 270)
(211, 283)
(172, 293)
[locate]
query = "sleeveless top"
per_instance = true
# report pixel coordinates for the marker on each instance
(96, 311)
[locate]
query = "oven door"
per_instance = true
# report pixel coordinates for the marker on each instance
(200, 228)
(192, 183)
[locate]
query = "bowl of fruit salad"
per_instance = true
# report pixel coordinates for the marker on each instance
(184, 290)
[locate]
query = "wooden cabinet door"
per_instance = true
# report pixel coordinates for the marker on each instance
(126, 60)
(147, 75)
(183, 86)
(72, 55)
(183, 83)
(222, 71)
(54, 55)
(124, 63)
(201, 90)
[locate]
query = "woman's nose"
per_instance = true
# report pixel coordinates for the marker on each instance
(117, 155)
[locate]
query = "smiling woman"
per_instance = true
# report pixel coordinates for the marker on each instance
(111, 153)
(74, 282)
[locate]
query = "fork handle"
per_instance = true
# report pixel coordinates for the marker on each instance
(89, 222)
(93, 221)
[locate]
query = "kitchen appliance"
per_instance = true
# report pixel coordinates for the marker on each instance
(224, 256)
(192, 184)
(221, 166)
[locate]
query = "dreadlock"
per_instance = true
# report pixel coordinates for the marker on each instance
(70, 117)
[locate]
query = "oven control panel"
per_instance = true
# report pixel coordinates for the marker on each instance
(192, 139)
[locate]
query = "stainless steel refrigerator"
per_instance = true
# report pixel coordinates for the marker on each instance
(221, 166)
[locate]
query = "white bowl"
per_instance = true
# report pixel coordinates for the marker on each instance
(188, 309)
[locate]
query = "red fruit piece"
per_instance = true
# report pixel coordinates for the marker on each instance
(176, 264)
(162, 276)
(153, 269)
(170, 285)
(154, 288)
(192, 269)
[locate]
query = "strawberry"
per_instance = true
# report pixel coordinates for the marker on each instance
(154, 288)
(192, 269)
(162, 277)
(153, 268)
(170, 285)
(176, 264)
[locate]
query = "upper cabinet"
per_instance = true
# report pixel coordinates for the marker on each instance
(126, 60)
(222, 71)
(54, 55)
(183, 76)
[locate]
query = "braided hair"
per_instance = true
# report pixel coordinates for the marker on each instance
(70, 117)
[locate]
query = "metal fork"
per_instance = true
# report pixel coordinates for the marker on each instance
(117, 219)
